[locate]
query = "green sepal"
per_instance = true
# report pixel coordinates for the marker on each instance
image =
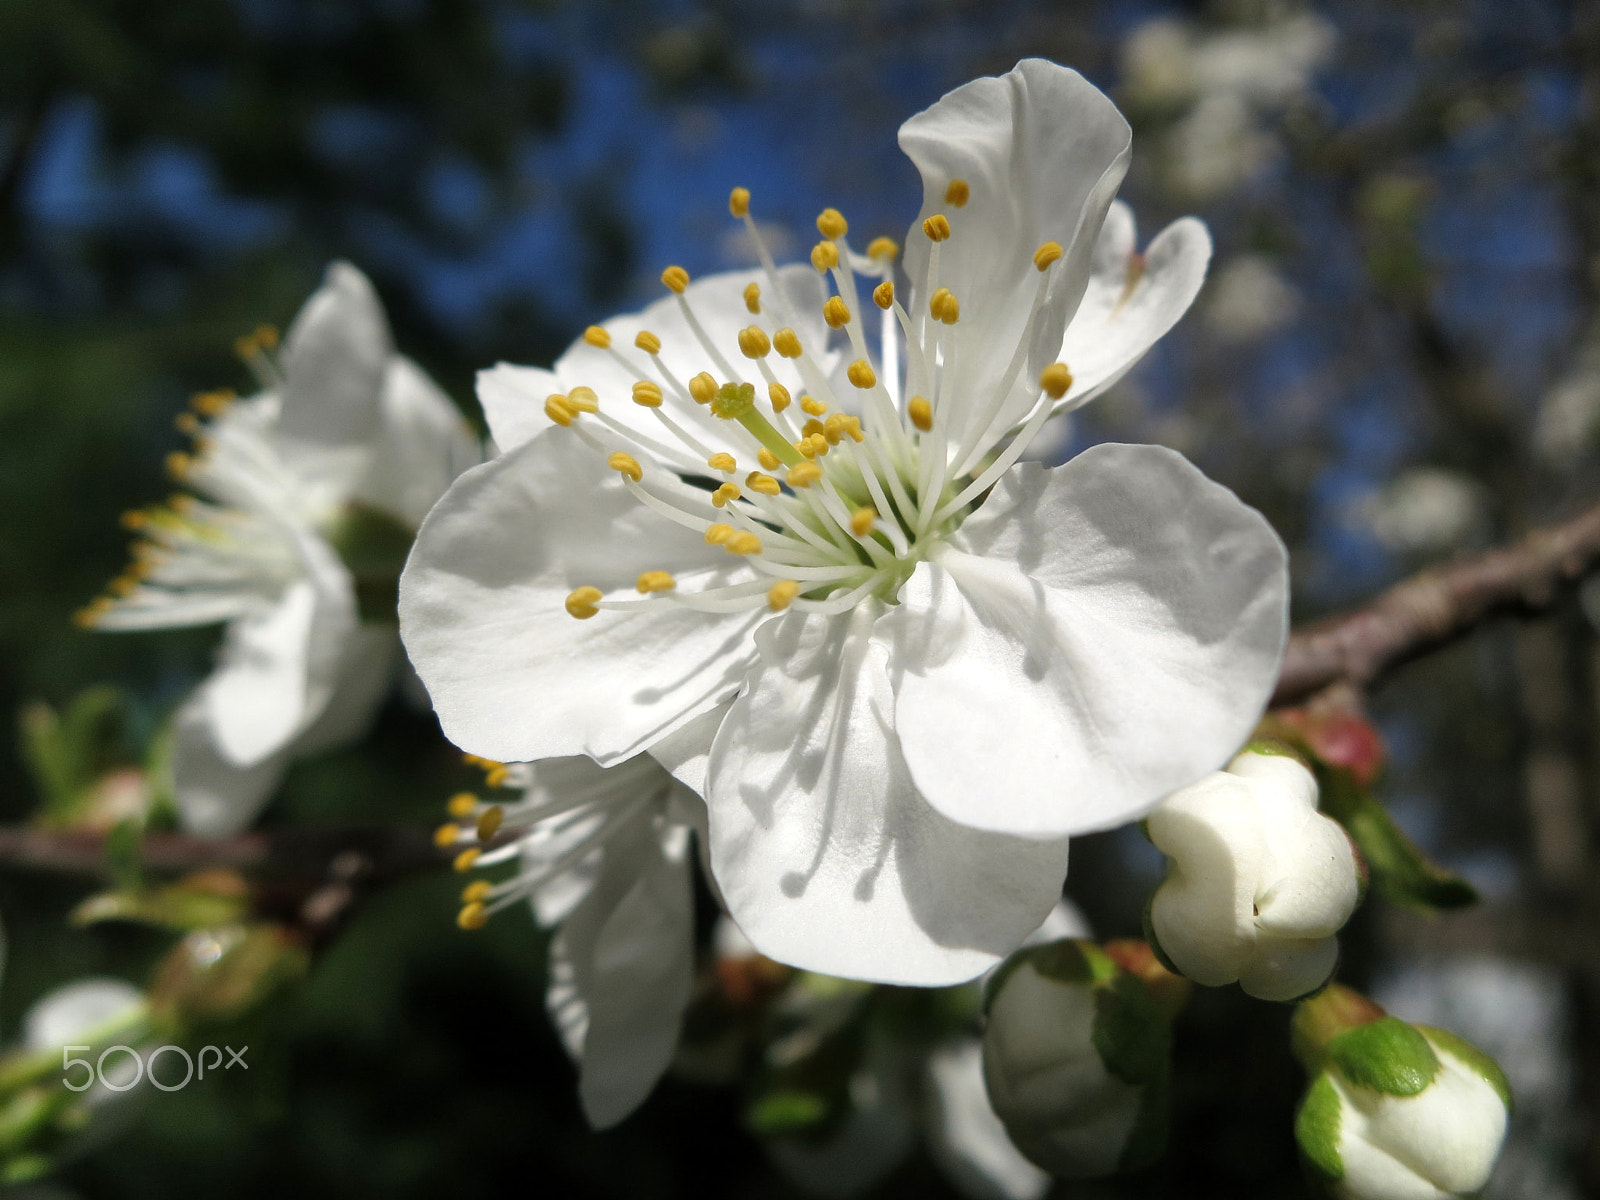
(1131, 1036)
(1316, 1129)
(1398, 869)
(1386, 1056)
(1473, 1059)
(786, 1110)
(1147, 1140)
(124, 862)
(373, 545)
(1067, 961)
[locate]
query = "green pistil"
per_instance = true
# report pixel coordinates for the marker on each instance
(737, 402)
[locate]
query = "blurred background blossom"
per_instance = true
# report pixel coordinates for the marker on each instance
(1396, 358)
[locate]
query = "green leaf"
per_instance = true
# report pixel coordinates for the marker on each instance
(1386, 1056)
(1316, 1128)
(1472, 1058)
(122, 854)
(785, 1111)
(1400, 871)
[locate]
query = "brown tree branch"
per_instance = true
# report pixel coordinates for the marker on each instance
(1437, 606)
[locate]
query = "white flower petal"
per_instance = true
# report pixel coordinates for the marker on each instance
(1042, 152)
(1120, 319)
(826, 855)
(512, 676)
(967, 1138)
(1113, 634)
(75, 1010)
(513, 402)
(333, 363)
(686, 753)
(366, 667)
(216, 798)
(626, 955)
(423, 443)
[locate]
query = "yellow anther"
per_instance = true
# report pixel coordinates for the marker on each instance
(937, 227)
(835, 428)
(812, 426)
(180, 502)
(703, 388)
(779, 395)
(655, 581)
(584, 399)
(861, 374)
(582, 602)
(647, 341)
(446, 836)
(824, 256)
(496, 775)
(752, 298)
(213, 404)
(957, 194)
(597, 337)
(647, 394)
(780, 594)
(804, 447)
(472, 916)
(1055, 380)
(178, 464)
(187, 423)
(743, 542)
(939, 305)
(812, 407)
(266, 336)
(1046, 254)
(625, 464)
(723, 461)
(122, 584)
(883, 248)
(765, 484)
(952, 311)
(803, 474)
(559, 410)
(675, 279)
(476, 892)
(753, 342)
(831, 223)
(920, 412)
(739, 201)
(467, 859)
(786, 343)
(462, 805)
(133, 519)
(836, 313)
(819, 444)
(861, 521)
(723, 494)
(247, 347)
(489, 822)
(767, 459)
(718, 534)
(87, 616)
(883, 295)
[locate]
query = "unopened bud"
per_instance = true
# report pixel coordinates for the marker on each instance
(1395, 1110)
(1259, 881)
(1076, 1060)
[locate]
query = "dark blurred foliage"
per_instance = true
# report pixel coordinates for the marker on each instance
(1406, 203)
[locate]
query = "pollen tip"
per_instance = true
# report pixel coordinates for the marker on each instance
(655, 581)
(883, 295)
(779, 396)
(473, 916)
(753, 342)
(725, 492)
(597, 337)
(446, 836)
(703, 388)
(781, 594)
(489, 822)
(752, 298)
(787, 343)
(724, 462)
(824, 256)
(743, 542)
(675, 279)
(861, 374)
(937, 228)
(496, 775)
(831, 223)
(884, 248)
(476, 892)
(739, 201)
(920, 412)
(266, 336)
(862, 520)
(624, 463)
(1046, 254)
(134, 519)
(766, 457)
(836, 313)
(467, 859)
(765, 484)
(647, 394)
(462, 805)
(559, 409)
(1055, 380)
(718, 533)
(647, 341)
(812, 407)
(957, 193)
(803, 474)
(582, 602)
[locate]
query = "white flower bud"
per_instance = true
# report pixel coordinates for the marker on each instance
(1402, 1112)
(1259, 881)
(1075, 1058)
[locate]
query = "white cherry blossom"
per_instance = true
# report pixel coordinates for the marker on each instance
(902, 667)
(347, 439)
